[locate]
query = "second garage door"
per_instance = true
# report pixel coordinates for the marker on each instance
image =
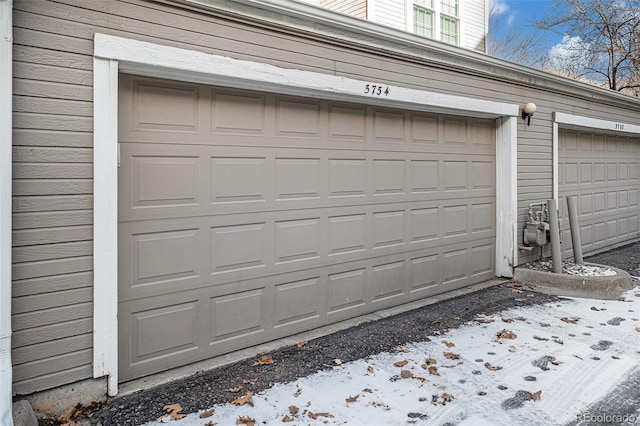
(248, 216)
(602, 171)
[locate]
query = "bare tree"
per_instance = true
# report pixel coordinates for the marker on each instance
(513, 44)
(604, 41)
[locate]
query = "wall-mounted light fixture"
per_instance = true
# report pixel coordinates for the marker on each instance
(528, 110)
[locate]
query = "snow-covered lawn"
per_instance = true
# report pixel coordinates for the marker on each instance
(534, 365)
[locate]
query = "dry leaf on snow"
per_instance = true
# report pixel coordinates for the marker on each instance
(545, 324)
(370, 369)
(401, 363)
(572, 320)
(638, 329)
(506, 334)
(353, 398)
(337, 361)
(507, 319)
(246, 420)
(316, 415)
(293, 409)
(534, 396)
(287, 419)
(367, 390)
(446, 398)
(210, 423)
(174, 411)
(448, 344)
(406, 374)
(492, 367)
(241, 400)
(451, 355)
(430, 361)
(433, 370)
(207, 413)
(264, 360)
(558, 341)
(401, 349)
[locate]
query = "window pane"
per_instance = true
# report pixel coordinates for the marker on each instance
(449, 29)
(450, 7)
(422, 21)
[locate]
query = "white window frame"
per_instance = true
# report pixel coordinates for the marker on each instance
(436, 7)
(113, 55)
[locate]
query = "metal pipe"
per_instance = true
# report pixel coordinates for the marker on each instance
(572, 207)
(554, 229)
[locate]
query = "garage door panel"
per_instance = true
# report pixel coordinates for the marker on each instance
(606, 186)
(253, 216)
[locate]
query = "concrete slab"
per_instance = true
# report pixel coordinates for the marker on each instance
(54, 402)
(23, 414)
(603, 287)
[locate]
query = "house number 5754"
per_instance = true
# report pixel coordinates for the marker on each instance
(619, 126)
(376, 90)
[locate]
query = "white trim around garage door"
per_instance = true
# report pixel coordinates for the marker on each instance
(116, 54)
(570, 121)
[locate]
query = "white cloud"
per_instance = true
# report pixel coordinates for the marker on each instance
(572, 56)
(511, 18)
(499, 6)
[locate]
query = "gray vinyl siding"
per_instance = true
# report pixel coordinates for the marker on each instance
(52, 207)
(357, 8)
(474, 25)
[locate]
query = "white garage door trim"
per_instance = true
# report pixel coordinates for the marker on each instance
(115, 54)
(570, 121)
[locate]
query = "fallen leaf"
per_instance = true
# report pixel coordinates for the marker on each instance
(638, 329)
(246, 420)
(250, 381)
(316, 415)
(422, 379)
(210, 423)
(515, 290)
(506, 334)
(456, 318)
(67, 414)
(370, 369)
(235, 390)
(482, 393)
(301, 344)
(297, 392)
(446, 398)
(485, 321)
(206, 414)
(337, 361)
(264, 360)
(174, 411)
(293, 410)
(451, 355)
(436, 333)
(572, 320)
(558, 341)
(401, 363)
(287, 419)
(492, 367)
(545, 324)
(433, 370)
(448, 344)
(512, 348)
(534, 396)
(250, 398)
(406, 374)
(367, 390)
(353, 398)
(507, 319)
(241, 400)
(401, 349)
(430, 361)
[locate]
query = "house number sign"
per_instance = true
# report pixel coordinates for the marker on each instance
(376, 90)
(619, 126)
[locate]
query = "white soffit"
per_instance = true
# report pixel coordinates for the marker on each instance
(150, 59)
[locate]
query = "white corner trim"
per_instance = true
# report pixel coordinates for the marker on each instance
(6, 146)
(105, 221)
(151, 59)
(116, 54)
(506, 196)
(555, 178)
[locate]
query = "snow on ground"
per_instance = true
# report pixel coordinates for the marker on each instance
(534, 365)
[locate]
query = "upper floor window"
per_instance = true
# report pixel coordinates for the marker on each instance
(439, 19)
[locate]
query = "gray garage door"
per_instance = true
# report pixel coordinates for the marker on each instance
(247, 216)
(602, 170)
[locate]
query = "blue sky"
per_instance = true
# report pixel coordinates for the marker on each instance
(520, 12)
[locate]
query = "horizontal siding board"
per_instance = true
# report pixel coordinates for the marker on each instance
(54, 348)
(53, 171)
(51, 251)
(52, 380)
(60, 313)
(37, 55)
(52, 203)
(46, 36)
(49, 284)
(52, 106)
(52, 122)
(52, 155)
(47, 89)
(51, 236)
(51, 332)
(40, 72)
(51, 187)
(51, 365)
(46, 268)
(31, 137)
(52, 219)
